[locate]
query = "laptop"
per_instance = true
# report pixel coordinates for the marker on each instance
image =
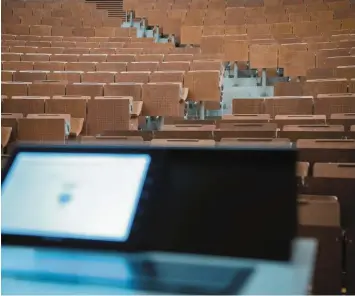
(139, 199)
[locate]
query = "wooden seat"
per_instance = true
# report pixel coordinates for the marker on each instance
(288, 89)
(334, 103)
(282, 120)
(288, 105)
(133, 90)
(30, 76)
(64, 58)
(80, 66)
(17, 66)
(325, 86)
(47, 88)
(243, 118)
(101, 77)
(11, 89)
(111, 66)
(126, 58)
(142, 66)
(295, 132)
(167, 76)
(248, 106)
(133, 76)
(247, 130)
(25, 105)
(345, 119)
(85, 89)
(252, 142)
(174, 66)
(68, 76)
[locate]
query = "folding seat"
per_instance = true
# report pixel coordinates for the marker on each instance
(327, 27)
(11, 89)
(41, 130)
(143, 66)
(133, 90)
(334, 103)
(236, 50)
(108, 113)
(76, 50)
(52, 38)
(348, 24)
(178, 57)
(17, 66)
(5, 48)
(52, 21)
(112, 45)
(64, 13)
(7, 75)
(191, 34)
(203, 85)
(212, 44)
(133, 76)
(47, 88)
(30, 76)
(49, 66)
(186, 132)
(67, 76)
(72, 22)
(35, 57)
(41, 30)
(5, 56)
(243, 118)
(352, 86)
(80, 66)
(288, 105)
(296, 119)
(198, 65)
(297, 63)
(167, 76)
(62, 31)
(64, 58)
(111, 67)
(326, 150)
(126, 58)
(321, 73)
(334, 170)
(279, 29)
(194, 17)
(150, 58)
(105, 51)
(52, 5)
(305, 29)
(93, 58)
(85, 89)
(25, 105)
(79, 40)
(315, 131)
(10, 120)
(101, 77)
(276, 17)
(38, 43)
(333, 62)
(288, 89)
(345, 119)
(215, 17)
(247, 130)
(325, 86)
(263, 56)
(50, 50)
(174, 66)
(259, 142)
(75, 106)
(130, 51)
(16, 29)
(23, 49)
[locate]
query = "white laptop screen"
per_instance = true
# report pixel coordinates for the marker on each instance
(65, 195)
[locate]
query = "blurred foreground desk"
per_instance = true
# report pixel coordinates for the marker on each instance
(48, 272)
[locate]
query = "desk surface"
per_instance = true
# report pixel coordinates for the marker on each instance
(268, 278)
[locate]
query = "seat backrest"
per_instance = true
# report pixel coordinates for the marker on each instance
(174, 66)
(334, 170)
(101, 77)
(334, 103)
(183, 142)
(30, 76)
(41, 130)
(295, 132)
(167, 76)
(49, 66)
(288, 105)
(11, 89)
(133, 76)
(111, 66)
(325, 86)
(85, 89)
(108, 113)
(25, 105)
(47, 88)
(248, 106)
(133, 90)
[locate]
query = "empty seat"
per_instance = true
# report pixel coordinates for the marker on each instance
(143, 66)
(150, 58)
(163, 99)
(347, 72)
(252, 142)
(50, 50)
(133, 90)
(167, 76)
(246, 130)
(320, 73)
(126, 58)
(93, 58)
(102, 77)
(74, 105)
(49, 66)
(326, 150)
(248, 106)
(183, 142)
(11, 120)
(76, 50)
(198, 65)
(325, 86)
(263, 56)
(17, 66)
(288, 105)
(108, 113)
(178, 57)
(174, 66)
(24, 49)
(185, 131)
(64, 57)
(314, 131)
(334, 170)
(282, 120)
(288, 89)
(243, 118)
(41, 30)
(41, 130)
(11, 89)
(25, 105)
(7, 75)
(67, 76)
(80, 66)
(85, 89)
(334, 103)
(111, 66)
(7, 56)
(46, 88)
(346, 119)
(36, 57)
(134, 76)
(203, 85)
(30, 76)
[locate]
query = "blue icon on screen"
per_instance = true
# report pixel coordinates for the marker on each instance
(65, 198)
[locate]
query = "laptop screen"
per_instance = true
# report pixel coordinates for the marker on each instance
(73, 195)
